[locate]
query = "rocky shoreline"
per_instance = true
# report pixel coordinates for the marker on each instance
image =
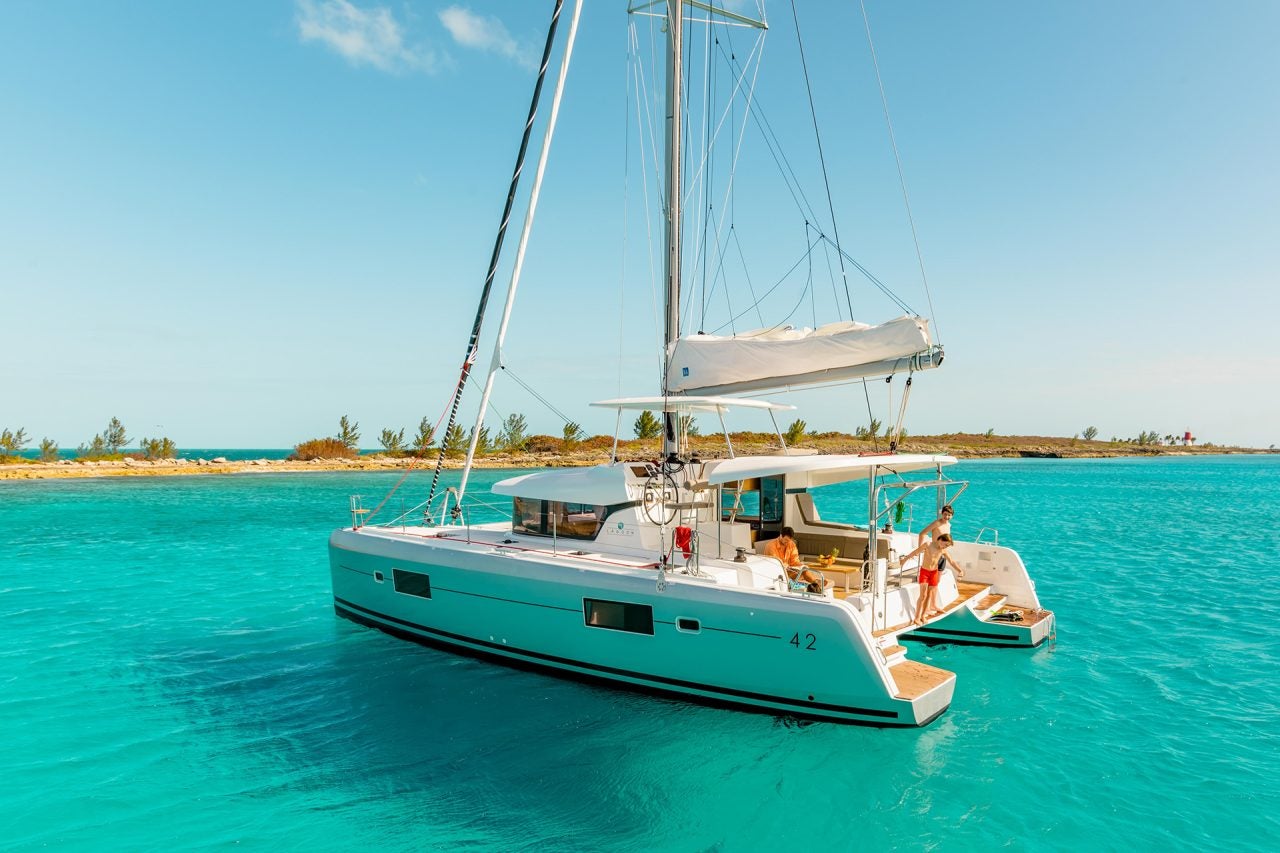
(962, 447)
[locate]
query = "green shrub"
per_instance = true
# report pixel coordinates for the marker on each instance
(322, 448)
(159, 448)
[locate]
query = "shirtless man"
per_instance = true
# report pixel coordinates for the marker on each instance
(940, 525)
(932, 564)
(784, 550)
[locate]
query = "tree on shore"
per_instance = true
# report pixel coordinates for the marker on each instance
(348, 433)
(425, 438)
(455, 441)
(1090, 433)
(484, 444)
(796, 432)
(514, 434)
(107, 443)
(95, 449)
(647, 426)
(392, 441)
(48, 450)
(572, 435)
(114, 436)
(12, 442)
(159, 448)
(689, 426)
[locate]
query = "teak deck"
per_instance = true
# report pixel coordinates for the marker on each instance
(914, 679)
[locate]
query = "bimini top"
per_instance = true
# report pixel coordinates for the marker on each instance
(599, 485)
(815, 471)
(681, 403)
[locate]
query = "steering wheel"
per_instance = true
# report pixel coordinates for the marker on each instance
(659, 498)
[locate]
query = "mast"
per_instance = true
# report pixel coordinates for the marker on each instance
(675, 109)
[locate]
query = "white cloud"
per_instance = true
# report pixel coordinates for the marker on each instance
(486, 33)
(364, 36)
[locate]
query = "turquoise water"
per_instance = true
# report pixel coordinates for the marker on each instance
(172, 675)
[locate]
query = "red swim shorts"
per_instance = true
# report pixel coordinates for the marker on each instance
(929, 576)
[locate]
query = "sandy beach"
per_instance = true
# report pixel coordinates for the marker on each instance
(962, 446)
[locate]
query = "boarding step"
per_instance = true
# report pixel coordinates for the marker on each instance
(893, 654)
(914, 679)
(989, 604)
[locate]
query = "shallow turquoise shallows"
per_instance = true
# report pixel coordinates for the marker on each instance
(172, 675)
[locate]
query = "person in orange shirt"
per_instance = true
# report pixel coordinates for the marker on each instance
(784, 550)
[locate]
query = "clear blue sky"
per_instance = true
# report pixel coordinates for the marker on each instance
(231, 223)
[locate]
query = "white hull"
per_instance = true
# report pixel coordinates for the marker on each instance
(808, 656)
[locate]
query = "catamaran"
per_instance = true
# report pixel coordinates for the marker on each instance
(655, 574)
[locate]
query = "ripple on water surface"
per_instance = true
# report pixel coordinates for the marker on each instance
(175, 675)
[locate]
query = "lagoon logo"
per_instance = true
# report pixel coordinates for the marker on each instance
(619, 530)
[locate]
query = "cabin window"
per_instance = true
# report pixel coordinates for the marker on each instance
(411, 583)
(618, 616)
(557, 518)
(740, 501)
(689, 626)
(753, 500)
(772, 493)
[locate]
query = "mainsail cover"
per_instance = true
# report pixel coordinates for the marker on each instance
(785, 356)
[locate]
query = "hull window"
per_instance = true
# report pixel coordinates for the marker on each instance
(691, 626)
(618, 616)
(411, 583)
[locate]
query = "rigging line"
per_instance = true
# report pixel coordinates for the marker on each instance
(906, 199)
(626, 201)
(706, 153)
(875, 442)
(737, 147)
(831, 277)
(813, 112)
(474, 342)
(757, 51)
(870, 276)
(541, 399)
(747, 274)
(813, 308)
(774, 147)
(642, 100)
(775, 286)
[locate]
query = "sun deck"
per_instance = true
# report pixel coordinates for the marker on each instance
(967, 592)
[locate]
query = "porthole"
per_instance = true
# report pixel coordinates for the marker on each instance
(689, 626)
(377, 576)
